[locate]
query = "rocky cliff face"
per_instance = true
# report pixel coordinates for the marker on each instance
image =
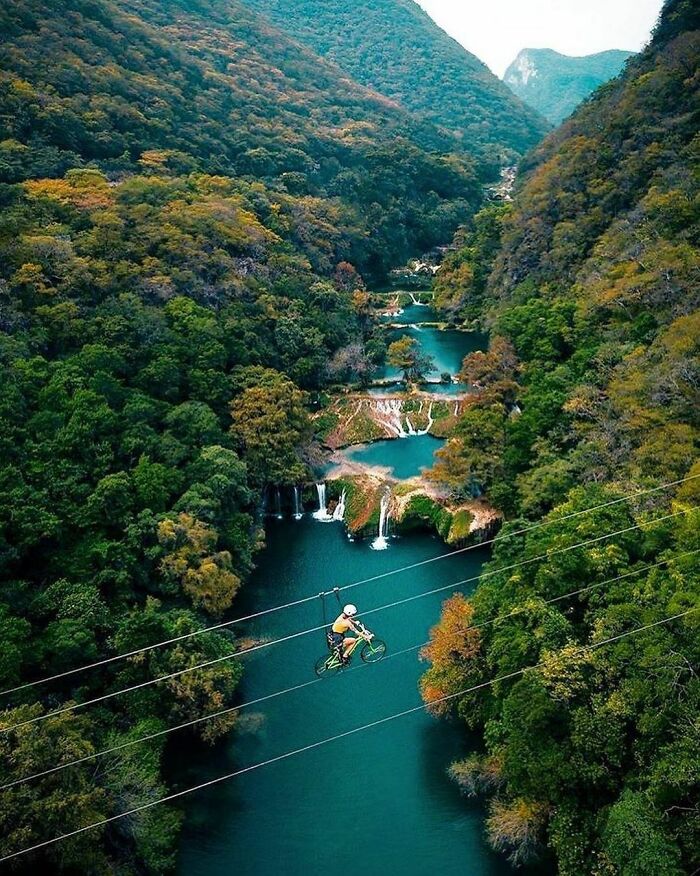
(555, 84)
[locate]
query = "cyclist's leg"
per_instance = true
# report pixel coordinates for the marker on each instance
(348, 645)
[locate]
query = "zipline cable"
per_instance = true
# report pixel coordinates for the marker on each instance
(225, 624)
(219, 779)
(179, 672)
(150, 736)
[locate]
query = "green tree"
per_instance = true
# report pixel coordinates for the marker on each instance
(406, 355)
(270, 425)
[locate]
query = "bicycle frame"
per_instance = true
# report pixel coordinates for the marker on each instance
(334, 661)
(359, 640)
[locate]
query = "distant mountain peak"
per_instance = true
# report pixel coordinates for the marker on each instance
(523, 69)
(555, 84)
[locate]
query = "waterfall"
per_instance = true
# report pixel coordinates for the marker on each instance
(416, 301)
(322, 513)
(391, 411)
(297, 505)
(380, 543)
(278, 504)
(392, 417)
(430, 421)
(339, 512)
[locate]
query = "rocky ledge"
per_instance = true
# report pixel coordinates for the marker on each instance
(411, 505)
(358, 418)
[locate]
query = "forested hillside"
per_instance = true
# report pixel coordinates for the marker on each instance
(210, 87)
(555, 84)
(394, 47)
(591, 392)
(186, 198)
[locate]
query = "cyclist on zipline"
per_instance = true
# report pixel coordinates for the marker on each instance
(338, 640)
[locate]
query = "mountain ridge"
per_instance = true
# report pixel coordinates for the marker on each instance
(589, 282)
(223, 91)
(555, 84)
(395, 47)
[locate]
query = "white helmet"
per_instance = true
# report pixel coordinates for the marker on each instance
(350, 610)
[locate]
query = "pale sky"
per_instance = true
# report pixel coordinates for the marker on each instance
(496, 30)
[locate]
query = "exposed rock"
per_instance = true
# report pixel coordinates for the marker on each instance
(555, 84)
(419, 504)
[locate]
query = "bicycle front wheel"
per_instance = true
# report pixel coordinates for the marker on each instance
(373, 651)
(327, 665)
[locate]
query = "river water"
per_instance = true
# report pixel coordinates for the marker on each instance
(378, 800)
(447, 347)
(404, 457)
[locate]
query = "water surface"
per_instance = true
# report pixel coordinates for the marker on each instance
(413, 313)
(377, 801)
(447, 348)
(404, 457)
(450, 390)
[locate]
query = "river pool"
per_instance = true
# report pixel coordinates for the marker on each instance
(403, 457)
(414, 313)
(378, 801)
(447, 347)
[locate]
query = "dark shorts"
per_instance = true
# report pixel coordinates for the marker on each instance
(335, 640)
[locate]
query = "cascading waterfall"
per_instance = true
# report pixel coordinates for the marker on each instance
(278, 503)
(322, 513)
(380, 543)
(339, 512)
(297, 505)
(391, 409)
(430, 420)
(391, 412)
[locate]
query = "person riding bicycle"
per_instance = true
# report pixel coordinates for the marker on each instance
(338, 640)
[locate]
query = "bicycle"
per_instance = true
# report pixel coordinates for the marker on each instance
(373, 649)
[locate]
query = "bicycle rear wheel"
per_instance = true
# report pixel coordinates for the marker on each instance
(327, 665)
(373, 651)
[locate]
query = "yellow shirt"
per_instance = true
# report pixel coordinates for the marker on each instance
(342, 624)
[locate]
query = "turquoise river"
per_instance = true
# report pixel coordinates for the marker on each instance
(378, 800)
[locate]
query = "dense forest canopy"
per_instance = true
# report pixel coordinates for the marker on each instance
(594, 287)
(188, 200)
(590, 284)
(210, 87)
(394, 47)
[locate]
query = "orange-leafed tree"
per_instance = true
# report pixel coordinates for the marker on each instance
(453, 652)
